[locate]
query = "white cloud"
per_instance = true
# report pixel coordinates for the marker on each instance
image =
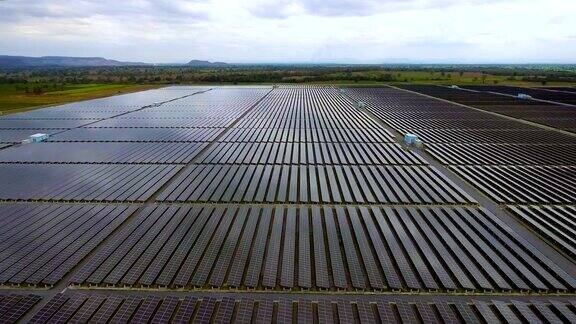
(292, 30)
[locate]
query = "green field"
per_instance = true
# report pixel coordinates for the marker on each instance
(441, 78)
(16, 97)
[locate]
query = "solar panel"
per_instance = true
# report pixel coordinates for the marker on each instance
(284, 313)
(446, 313)
(390, 273)
(186, 310)
(546, 312)
(325, 313)
(288, 255)
(365, 312)
(273, 254)
(564, 310)
(258, 249)
(187, 269)
(145, 312)
(374, 273)
(165, 311)
(426, 313)
(401, 260)
(352, 259)
(206, 310)
(338, 272)
(305, 314)
(245, 311)
(486, 312)
(13, 307)
(345, 312)
(212, 251)
(227, 249)
(87, 310)
(427, 253)
(304, 249)
(107, 310)
(146, 135)
(198, 218)
(525, 311)
(49, 309)
(225, 311)
(126, 310)
(466, 313)
(288, 187)
(47, 241)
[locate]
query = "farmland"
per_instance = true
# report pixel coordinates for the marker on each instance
(292, 203)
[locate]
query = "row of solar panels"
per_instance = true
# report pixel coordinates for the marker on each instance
(103, 152)
(231, 183)
(83, 308)
(503, 154)
(264, 247)
(83, 181)
(565, 95)
(554, 115)
(314, 184)
(203, 134)
(487, 136)
(523, 184)
(557, 223)
(220, 153)
(437, 248)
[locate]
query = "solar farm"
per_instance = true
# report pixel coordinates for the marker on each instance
(292, 204)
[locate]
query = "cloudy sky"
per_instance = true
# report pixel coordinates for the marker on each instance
(248, 31)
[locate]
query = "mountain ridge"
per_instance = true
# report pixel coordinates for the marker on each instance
(14, 61)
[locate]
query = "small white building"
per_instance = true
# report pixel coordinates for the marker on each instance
(524, 96)
(410, 138)
(39, 137)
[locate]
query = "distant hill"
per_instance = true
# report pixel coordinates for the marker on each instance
(7, 61)
(199, 63)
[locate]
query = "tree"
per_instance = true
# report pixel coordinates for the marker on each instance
(38, 90)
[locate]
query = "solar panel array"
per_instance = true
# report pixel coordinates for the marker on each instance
(511, 162)
(565, 95)
(14, 306)
(82, 182)
(205, 309)
(138, 159)
(41, 243)
(278, 189)
(53, 120)
(559, 88)
(311, 142)
(450, 249)
(557, 223)
(488, 98)
(499, 160)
